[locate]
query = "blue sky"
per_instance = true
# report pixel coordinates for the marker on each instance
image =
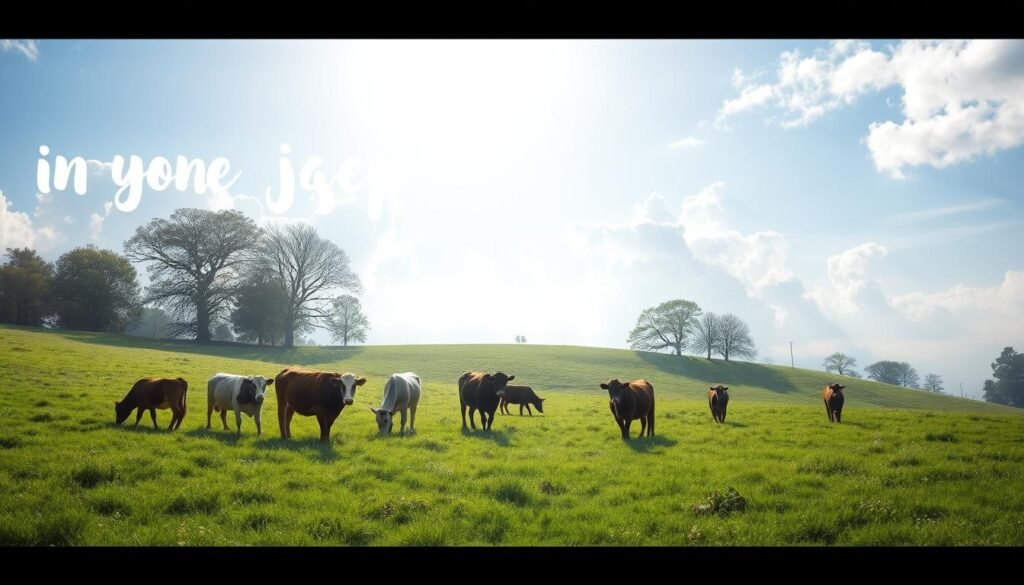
(852, 196)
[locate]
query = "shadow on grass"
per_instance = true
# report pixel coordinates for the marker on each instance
(304, 356)
(646, 444)
(738, 425)
(145, 427)
(314, 448)
(719, 371)
(499, 438)
(229, 437)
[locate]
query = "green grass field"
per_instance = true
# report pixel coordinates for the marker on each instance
(905, 467)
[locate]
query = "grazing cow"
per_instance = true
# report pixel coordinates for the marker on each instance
(630, 401)
(718, 400)
(401, 393)
(151, 394)
(523, 396)
(834, 399)
(483, 392)
(320, 394)
(238, 393)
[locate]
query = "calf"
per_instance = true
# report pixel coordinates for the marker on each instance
(238, 393)
(401, 393)
(523, 396)
(629, 401)
(718, 400)
(834, 399)
(480, 391)
(309, 393)
(151, 394)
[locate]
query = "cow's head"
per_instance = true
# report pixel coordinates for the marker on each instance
(500, 380)
(539, 405)
(254, 390)
(121, 411)
(615, 389)
(348, 387)
(385, 420)
(837, 388)
(721, 391)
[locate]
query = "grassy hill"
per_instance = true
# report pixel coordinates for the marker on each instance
(904, 475)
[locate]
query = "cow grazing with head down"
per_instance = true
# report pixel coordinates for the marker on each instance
(523, 396)
(718, 400)
(629, 401)
(483, 392)
(401, 394)
(834, 399)
(238, 393)
(151, 394)
(320, 394)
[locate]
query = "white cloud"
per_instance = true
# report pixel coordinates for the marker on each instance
(757, 260)
(947, 210)
(99, 167)
(961, 99)
(42, 200)
(28, 48)
(848, 277)
(16, 229)
(686, 143)
(95, 226)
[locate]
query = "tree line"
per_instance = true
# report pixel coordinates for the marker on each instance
(213, 275)
(681, 325)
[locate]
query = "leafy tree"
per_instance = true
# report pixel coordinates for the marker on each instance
(223, 332)
(154, 322)
(26, 285)
(260, 305)
(96, 290)
(667, 326)
(890, 372)
(347, 321)
(1008, 386)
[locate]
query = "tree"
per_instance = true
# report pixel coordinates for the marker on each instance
(519, 338)
(310, 267)
(840, 363)
(705, 335)
(96, 290)
(890, 372)
(734, 338)
(260, 304)
(853, 374)
(154, 322)
(1008, 386)
(193, 259)
(667, 326)
(933, 382)
(223, 332)
(26, 284)
(885, 371)
(347, 322)
(523, 338)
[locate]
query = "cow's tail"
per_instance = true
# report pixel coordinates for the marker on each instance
(184, 394)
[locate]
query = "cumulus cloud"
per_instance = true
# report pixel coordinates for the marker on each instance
(17, 231)
(961, 99)
(847, 277)
(28, 48)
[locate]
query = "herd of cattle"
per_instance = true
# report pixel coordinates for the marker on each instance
(325, 394)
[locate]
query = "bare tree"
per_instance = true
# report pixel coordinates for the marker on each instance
(667, 326)
(347, 321)
(705, 334)
(734, 338)
(908, 375)
(933, 382)
(310, 267)
(840, 363)
(193, 258)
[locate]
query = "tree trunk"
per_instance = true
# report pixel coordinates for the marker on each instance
(289, 335)
(709, 351)
(202, 321)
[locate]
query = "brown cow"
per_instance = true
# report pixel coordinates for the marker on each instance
(718, 400)
(834, 399)
(630, 401)
(151, 394)
(480, 391)
(523, 396)
(323, 394)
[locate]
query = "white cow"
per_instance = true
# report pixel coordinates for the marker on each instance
(401, 392)
(238, 393)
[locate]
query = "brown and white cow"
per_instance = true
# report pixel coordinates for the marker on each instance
(629, 401)
(483, 392)
(309, 393)
(834, 399)
(718, 400)
(151, 394)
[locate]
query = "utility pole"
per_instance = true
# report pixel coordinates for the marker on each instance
(961, 389)
(791, 355)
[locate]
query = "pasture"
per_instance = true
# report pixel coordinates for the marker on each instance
(904, 467)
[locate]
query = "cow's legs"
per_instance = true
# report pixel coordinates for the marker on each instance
(472, 423)
(402, 428)
(625, 428)
(462, 406)
(288, 421)
(259, 423)
(643, 425)
(412, 419)
(138, 415)
(174, 419)
(325, 426)
(152, 414)
(839, 416)
(282, 407)
(528, 410)
(209, 413)
(723, 415)
(828, 411)
(238, 421)
(224, 419)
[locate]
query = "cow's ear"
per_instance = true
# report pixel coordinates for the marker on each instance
(604, 386)
(487, 377)
(543, 399)
(725, 387)
(712, 388)
(360, 381)
(270, 381)
(510, 378)
(841, 387)
(372, 409)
